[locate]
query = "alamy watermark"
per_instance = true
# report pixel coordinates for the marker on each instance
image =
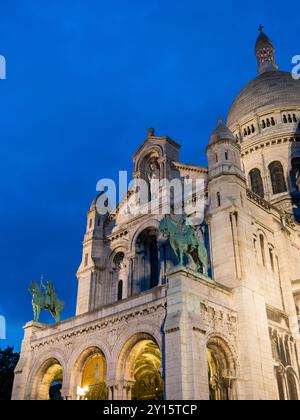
(2, 328)
(296, 68)
(2, 67)
(153, 196)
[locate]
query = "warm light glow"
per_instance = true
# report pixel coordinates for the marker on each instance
(81, 392)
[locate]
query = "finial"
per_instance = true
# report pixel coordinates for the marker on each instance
(220, 120)
(260, 28)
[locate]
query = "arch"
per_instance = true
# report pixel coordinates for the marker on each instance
(89, 373)
(80, 355)
(111, 253)
(150, 224)
(256, 182)
(132, 333)
(139, 363)
(277, 177)
(40, 364)
(222, 369)
(117, 270)
(155, 151)
(292, 384)
(50, 372)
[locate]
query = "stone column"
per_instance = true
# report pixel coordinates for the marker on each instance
(127, 386)
(128, 290)
(186, 370)
(113, 390)
(161, 259)
(22, 369)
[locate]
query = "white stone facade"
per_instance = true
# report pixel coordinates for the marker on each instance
(232, 335)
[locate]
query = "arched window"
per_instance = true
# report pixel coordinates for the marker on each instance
(119, 274)
(120, 290)
(277, 177)
(292, 385)
(256, 182)
(262, 247)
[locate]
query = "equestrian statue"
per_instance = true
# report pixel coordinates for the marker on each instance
(44, 297)
(185, 241)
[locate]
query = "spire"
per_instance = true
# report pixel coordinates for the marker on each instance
(265, 52)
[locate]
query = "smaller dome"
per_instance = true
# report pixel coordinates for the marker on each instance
(221, 132)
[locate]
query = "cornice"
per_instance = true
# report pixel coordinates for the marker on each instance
(274, 140)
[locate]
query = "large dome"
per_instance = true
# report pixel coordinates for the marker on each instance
(267, 91)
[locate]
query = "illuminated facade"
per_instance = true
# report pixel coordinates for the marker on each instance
(148, 329)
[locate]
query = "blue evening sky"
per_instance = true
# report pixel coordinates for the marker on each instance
(85, 80)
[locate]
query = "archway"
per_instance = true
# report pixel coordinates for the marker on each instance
(90, 375)
(48, 381)
(141, 363)
(221, 370)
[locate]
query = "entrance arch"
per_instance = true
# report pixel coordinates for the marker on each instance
(140, 363)
(48, 381)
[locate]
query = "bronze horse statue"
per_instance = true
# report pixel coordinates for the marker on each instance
(185, 241)
(47, 300)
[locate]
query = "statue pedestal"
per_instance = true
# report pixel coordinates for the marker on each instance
(35, 325)
(188, 272)
(185, 335)
(29, 330)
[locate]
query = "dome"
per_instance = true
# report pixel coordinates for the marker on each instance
(266, 92)
(221, 132)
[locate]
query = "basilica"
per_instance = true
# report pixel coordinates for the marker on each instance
(149, 328)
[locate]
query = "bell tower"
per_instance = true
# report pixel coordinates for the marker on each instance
(90, 293)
